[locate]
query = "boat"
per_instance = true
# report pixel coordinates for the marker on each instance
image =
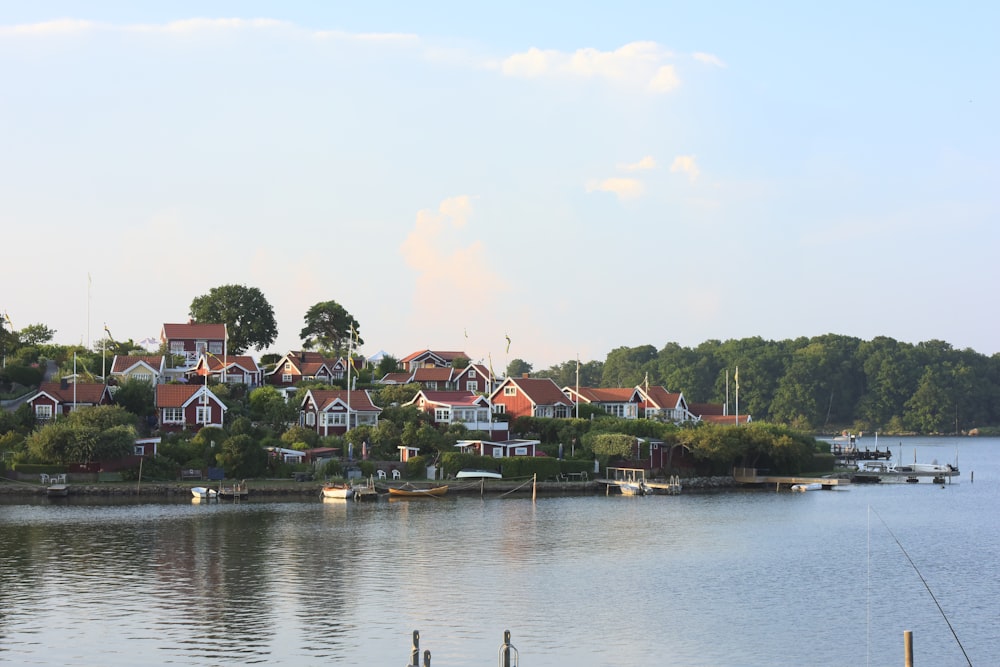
(57, 490)
(340, 491)
(913, 473)
(813, 486)
(478, 474)
(203, 492)
(237, 491)
(633, 488)
(408, 491)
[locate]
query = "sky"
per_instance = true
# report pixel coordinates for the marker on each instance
(575, 176)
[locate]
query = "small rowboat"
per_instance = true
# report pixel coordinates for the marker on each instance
(478, 474)
(202, 492)
(411, 492)
(338, 491)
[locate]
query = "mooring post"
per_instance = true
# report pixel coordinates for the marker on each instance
(908, 648)
(427, 659)
(534, 487)
(415, 650)
(505, 650)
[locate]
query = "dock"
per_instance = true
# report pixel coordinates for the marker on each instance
(635, 478)
(753, 476)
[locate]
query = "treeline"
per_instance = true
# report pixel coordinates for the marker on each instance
(821, 383)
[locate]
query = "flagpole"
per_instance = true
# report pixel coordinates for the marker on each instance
(736, 377)
(577, 386)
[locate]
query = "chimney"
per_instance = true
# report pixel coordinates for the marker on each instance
(524, 375)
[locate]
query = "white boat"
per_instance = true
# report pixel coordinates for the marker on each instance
(813, 486)
(913, 473)
(203, 492)
(478, 474)
(341, 491)
(632, 488)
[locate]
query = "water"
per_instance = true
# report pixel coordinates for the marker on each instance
(744, 578)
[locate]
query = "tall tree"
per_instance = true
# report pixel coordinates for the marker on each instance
(328, 328)
(248, 316)
(518, 367)
(36, 334)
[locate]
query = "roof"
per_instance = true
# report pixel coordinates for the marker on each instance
(726, 419)
(540, 391)
(181, 395)
(396, 378)
(604, 395)
(432, 374)
(194, 330)
(661, 398)
(125, 363)
(324, 399)
(453, 398)
(445, 356)
(706, 409)
(85, 392)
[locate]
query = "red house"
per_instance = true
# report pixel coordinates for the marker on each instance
(182, 407)
(658, 403)
(60, 398)
(228, 370)
(430, 359)
(472, 411)
(501, 449)
(474, 377)
(300, 365)
(194, 339)
(329, 411)
(620, 402)
(531, 397)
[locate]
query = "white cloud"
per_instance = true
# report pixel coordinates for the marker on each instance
(708, 59)
(647, 162)
(637, 64)
(685, 164)
(56, 27)
(623, 188)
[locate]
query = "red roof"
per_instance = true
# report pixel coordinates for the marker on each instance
(194, 331)
(86, 392)
(178, 395)
(432, 375)
(605, 395)
(360, 400)
(541, 391)
(461, 398)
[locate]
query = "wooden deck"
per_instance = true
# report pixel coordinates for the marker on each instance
(750, 476)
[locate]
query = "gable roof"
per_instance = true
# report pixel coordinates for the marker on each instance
(306, 363)
(122, 364)
(452, 398)
(325, 399)
(90, 393)
(436, 374)
(706, 409)
(182, 395)
(444, 356)
(659, 397)
(540, 391)
(396, 378)
(602, 395)
(193, 330)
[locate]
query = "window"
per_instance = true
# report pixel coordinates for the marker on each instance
(287, 377)
(498, 452)
(204, 414)
(616, 409)
(139, 450)
(142, 377)
(442, 415)
(336, 419)
(310, 419)
(520, 451)
(215, 347)
(173, 415)
(43, 412)
(288, 365)
(499, 409)
(510, 390)
(432, 385)
(471, 385)
(176, 347)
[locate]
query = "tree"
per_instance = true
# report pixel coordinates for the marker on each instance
(329, 328)
(137, 397)
(248, 316)
(387, 364)
(518, 367)
(36, 334)
(268, 406)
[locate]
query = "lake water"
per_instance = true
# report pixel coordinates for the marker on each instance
(735, 578)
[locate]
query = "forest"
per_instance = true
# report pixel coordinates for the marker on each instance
(819, 384)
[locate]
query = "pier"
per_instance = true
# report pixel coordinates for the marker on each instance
(752, 476)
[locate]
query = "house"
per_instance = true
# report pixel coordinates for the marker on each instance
(60, 398)
(144, 368)
(194, 339)
(530, 397)
(660, 404)
(327, 411)
(240, 369)
(182, 407)
(471, 410)
(474, 377)
(396, 378)
(300, 365)
(430, 359)
(716, 413)
(434, 378)
(619, 402)
(500, 449)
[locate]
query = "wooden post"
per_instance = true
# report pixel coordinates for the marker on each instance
(415, 650)
(534, 487)
(908, 648)
(482, 486)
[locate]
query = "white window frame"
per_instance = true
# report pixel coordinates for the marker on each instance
(215, 347)
(310, 419)
(203, 414)
(442, 414)
(173, 415)
(499, 409)
(43, 412)
(176, 347)
(471, 385)
(510, 390)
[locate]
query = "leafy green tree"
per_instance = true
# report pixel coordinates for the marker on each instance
(329, 328)
(242, 457)
(387, 364)
(627, 366)
(52, 443)
(518, 367)
(565, 374)
(268, 406)
(395, 394)
(248, 316)
(300, 437)
(460, 363)
(36, 334)
(613, 445)
(136, 396)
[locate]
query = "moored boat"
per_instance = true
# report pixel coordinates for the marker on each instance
(812, 486)
(57, 490)
(341, 491)
(409, 491)
(478, 474)
(203, 492)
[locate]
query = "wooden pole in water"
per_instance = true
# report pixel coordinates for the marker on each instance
(534, 487)
(908, 648)
(139, 481)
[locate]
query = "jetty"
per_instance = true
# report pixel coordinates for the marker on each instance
(626, 479)
(752, 477)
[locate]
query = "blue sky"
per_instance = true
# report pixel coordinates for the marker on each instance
(577, 176)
